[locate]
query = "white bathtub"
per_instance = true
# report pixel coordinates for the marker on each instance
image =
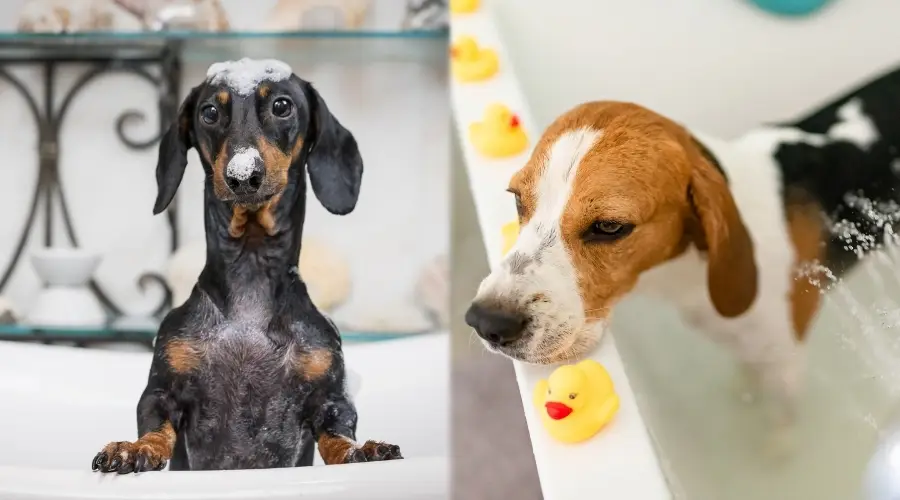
(59, 406)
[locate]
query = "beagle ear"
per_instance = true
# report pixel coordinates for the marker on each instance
(173, 150)
(334, 163)
(732, 273)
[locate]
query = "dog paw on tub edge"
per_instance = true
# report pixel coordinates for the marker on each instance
(125, 457)
(337, 450)
(151, 452)
(374, 451)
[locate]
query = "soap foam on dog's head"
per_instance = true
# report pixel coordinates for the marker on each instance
(244, 75)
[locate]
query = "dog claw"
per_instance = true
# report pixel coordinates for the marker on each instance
(98, 461)
(387, 452)
(126, 468)
(114, 464)
(357, 456)
(377, 451)
(140, 464)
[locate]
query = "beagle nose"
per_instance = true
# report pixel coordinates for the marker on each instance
(494, 325)
(245, 171)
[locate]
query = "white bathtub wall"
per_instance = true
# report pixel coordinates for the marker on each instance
(397, 110)
(720, 65)
(403, 402)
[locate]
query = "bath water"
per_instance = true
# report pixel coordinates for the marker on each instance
(710, 434)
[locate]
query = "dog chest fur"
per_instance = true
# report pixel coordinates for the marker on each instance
(241, 406)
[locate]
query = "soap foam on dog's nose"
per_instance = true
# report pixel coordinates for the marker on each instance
(244, 75)
(242, 164)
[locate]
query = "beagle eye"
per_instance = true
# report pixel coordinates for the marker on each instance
(607, 230)
(282, 107)
(519, 208)
(209, 114)
(572, 395)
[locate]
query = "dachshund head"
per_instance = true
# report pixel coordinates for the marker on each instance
(252, 121)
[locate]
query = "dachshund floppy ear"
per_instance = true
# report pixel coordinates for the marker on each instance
(732, 273)
(334, 163)
(173, 150)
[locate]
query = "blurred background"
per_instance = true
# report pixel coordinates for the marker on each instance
(86, 89)
(721, 67)
(114, 73)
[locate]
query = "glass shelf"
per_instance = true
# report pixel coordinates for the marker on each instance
(139, 334)
(200, 35)
(341, 46)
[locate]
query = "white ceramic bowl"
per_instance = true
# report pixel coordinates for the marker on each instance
(71, 267)
(66, 307)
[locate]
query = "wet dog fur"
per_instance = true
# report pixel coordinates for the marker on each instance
(247, 373)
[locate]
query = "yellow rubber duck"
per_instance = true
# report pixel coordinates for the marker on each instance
(500, 134)
(463, 6)
(510, 232)
(577, 401)
(471, 63)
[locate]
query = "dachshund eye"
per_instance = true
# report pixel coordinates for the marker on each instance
(209, 114)
(607, 230)
(572, 395)
(282, 107)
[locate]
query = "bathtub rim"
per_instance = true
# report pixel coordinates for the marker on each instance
(426, 476)
(422, 476)
(621, 462)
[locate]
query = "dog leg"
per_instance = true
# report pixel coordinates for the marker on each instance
(334, 424)
(153, 449)
(781, 382)
(307, 448)
(747, 383)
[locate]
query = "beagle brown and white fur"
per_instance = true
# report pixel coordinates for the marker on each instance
(737, 234)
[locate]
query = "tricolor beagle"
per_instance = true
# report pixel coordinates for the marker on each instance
(736, 234)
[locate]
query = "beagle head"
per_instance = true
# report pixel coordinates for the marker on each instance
(610, 191)
(252, 122)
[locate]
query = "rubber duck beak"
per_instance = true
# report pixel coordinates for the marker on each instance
(514, 121)
(557, 411)
(454, 52)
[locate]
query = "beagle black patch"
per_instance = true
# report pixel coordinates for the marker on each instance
(845, 158)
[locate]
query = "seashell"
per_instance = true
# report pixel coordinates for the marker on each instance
(327, 275)
(294, 15)
(426, 15)
(9, 315)
(183, 269)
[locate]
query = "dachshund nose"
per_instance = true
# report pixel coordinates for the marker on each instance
(248, 185)
(245, 172)
(498, 327)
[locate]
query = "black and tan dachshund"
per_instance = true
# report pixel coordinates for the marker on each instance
(248, 373)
